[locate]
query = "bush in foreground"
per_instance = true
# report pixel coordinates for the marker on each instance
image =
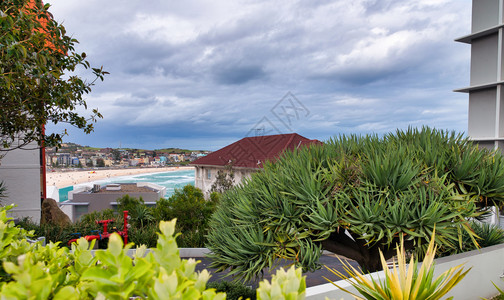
(32, 271)
(233, 290)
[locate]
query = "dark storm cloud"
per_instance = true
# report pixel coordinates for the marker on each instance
(233, 74)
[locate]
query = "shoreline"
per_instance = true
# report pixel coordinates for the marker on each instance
(62, 179)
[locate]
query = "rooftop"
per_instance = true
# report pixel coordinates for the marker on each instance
(252, 152)
(127, 188)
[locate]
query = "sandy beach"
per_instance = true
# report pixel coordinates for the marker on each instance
(62, 179)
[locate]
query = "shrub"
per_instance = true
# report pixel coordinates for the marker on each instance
(143, 235)
(128, 203)
(85, 226)
(284, 285)
(233, 290)
(55, 233)
(3, 191)
(486, 235)
(190, 208)
(89, 219)
(192, 211)
(140, 214)
(489, 235)
(192, 239)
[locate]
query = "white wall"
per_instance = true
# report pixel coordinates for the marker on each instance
(20, 172)
(67, 209)
(487, 267)
(485, 14)
(202, 181)
(484, 60)
(481, 123)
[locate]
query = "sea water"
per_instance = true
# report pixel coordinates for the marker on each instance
(171, 180)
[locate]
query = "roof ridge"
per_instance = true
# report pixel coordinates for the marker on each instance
(247, 151)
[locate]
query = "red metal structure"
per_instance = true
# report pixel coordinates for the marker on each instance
(106, 234)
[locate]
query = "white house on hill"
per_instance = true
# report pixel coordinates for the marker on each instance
(246, 156)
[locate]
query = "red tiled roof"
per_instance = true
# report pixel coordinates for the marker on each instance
(252, 152)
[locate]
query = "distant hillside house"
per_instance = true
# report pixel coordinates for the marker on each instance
(97, 198)
(246, 156)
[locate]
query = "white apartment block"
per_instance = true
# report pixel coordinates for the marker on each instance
(486, 95)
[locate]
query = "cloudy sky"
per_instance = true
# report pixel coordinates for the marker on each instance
(202, 74)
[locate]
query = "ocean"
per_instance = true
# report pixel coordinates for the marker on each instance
(171, 180)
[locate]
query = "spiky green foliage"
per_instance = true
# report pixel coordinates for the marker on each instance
(403, 281)
(486, 235)
(3, 191)
(355, 196)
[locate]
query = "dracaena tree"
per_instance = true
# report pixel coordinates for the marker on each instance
(355, 196)
(38, 83)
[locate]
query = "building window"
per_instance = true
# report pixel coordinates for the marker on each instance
(209, 174)
(80, 210)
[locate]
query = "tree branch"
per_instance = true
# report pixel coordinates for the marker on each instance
(340, 243)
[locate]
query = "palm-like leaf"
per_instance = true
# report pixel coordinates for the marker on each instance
(403, 281)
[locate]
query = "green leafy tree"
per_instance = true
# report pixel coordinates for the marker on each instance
(141, 215)
(224, 180)
(189, 206)
(128, 203)
(192, 211)
(355, 196)
(38, 85)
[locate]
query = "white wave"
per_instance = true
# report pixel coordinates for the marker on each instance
(170, 180)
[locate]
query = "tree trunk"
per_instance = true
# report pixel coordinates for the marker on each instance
(367, 256)
(370, 264)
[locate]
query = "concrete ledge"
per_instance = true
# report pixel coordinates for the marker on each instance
(184, 252)
(193, 252)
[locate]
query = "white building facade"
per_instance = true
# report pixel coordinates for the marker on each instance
(486, 95)
(20, 171)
